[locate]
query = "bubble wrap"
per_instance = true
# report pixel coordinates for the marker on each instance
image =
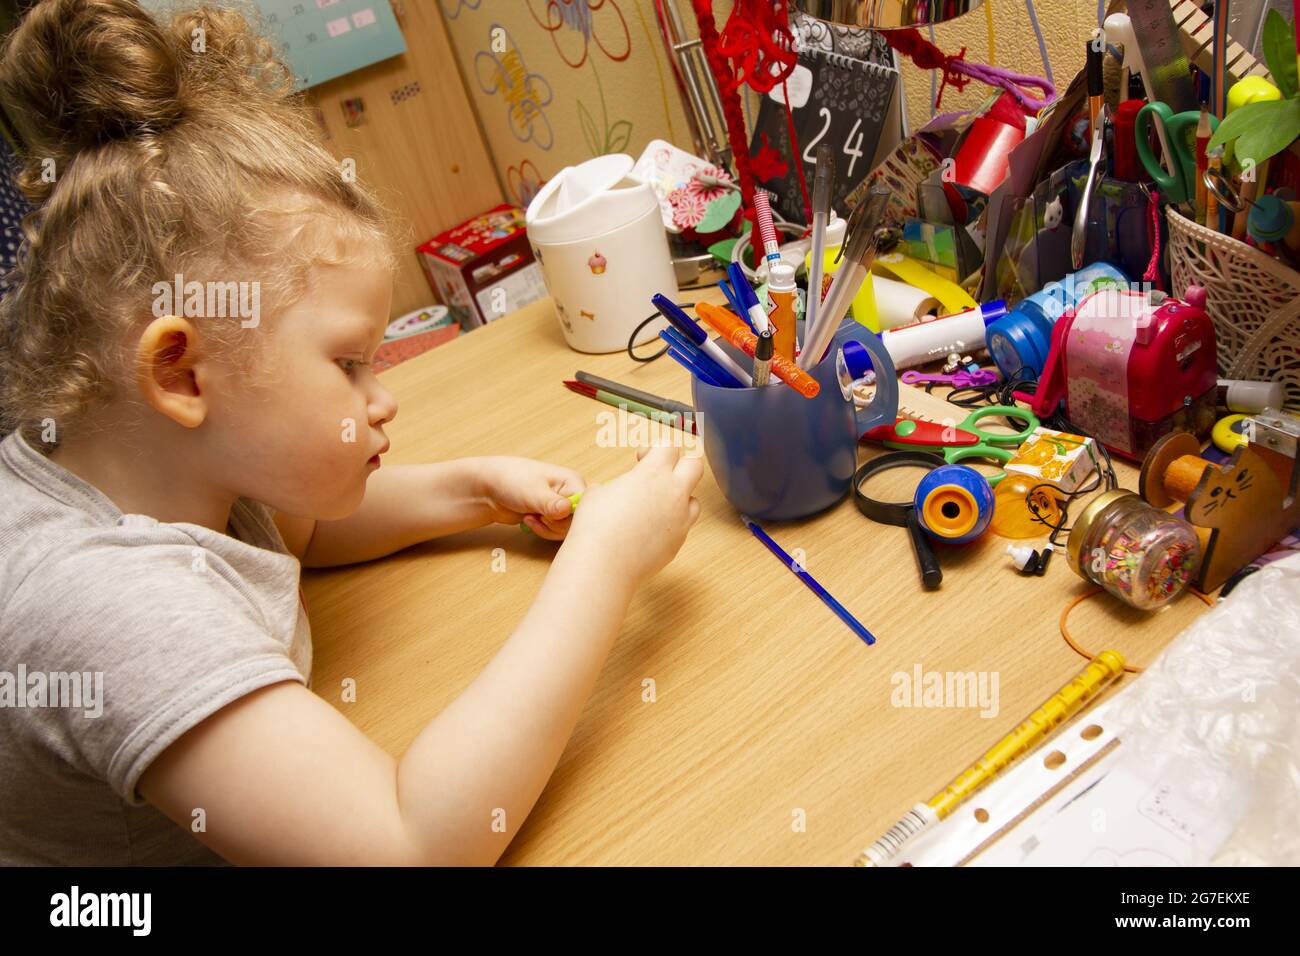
(1226, 694)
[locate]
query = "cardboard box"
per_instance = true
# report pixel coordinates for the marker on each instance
(483, 268)
(1058, 457)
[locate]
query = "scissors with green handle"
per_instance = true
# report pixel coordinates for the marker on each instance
(1177, 184)
(962, 441)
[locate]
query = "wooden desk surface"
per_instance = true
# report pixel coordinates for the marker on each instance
(767, 710)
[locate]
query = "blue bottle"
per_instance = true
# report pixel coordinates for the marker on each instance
(1022, 338)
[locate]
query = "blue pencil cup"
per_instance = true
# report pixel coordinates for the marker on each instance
(779, 456)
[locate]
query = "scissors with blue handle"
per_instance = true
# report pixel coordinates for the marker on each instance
(960, 442)
(1178, 185)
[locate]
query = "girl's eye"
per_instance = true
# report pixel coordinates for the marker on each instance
(348, 365)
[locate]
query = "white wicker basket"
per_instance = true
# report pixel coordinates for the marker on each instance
(1253, 299)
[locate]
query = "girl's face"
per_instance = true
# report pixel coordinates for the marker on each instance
(304, 437)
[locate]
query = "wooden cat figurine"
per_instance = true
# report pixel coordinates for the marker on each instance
(1248, 504)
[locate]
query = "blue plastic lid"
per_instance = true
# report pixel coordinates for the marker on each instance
(857, 360)
(992, 311)
(1020, 339)
(1270, 219)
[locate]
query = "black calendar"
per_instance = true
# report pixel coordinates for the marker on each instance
(840, 93)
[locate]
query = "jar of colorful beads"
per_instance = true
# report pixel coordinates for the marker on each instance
(1142, 555)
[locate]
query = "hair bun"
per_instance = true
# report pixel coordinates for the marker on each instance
(76, 73)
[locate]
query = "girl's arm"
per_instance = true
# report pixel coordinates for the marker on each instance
(407, 504)
(284, 778)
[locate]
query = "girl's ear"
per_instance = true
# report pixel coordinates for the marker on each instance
(164, 365)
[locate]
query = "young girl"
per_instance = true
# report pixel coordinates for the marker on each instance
(169, 469)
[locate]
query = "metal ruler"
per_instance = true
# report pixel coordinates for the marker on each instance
(1162, 53)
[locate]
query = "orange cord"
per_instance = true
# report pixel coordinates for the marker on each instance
(1074, 645)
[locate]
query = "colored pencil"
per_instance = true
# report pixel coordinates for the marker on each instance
(645, 398)
(676, 419)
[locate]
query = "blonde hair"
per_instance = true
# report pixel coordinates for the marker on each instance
(176, 146)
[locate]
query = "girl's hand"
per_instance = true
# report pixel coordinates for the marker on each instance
(533, 492)
(637, 522)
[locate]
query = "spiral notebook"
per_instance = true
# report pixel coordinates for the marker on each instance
(842, 92)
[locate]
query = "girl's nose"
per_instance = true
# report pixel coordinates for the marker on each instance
(383, 406)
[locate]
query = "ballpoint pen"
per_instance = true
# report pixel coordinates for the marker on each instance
(682, 343)
(691, 330)
(859, 251)
(823, 186)
(688, 362)
(735, 298)
(854, 624)
(748, 298)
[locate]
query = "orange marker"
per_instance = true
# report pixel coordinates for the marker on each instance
(738, 334)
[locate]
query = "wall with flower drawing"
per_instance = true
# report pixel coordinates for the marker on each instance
(566, 80)
(572, 79)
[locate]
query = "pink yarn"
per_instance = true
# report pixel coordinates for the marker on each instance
(1152, 274)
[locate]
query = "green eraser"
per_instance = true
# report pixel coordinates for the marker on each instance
(573, 505)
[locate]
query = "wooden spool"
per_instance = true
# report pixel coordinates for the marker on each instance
(1243, 505)
(1172, 469)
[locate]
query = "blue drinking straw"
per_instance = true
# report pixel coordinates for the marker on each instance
(809, 580)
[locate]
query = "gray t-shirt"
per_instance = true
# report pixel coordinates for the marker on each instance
(172, 621)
